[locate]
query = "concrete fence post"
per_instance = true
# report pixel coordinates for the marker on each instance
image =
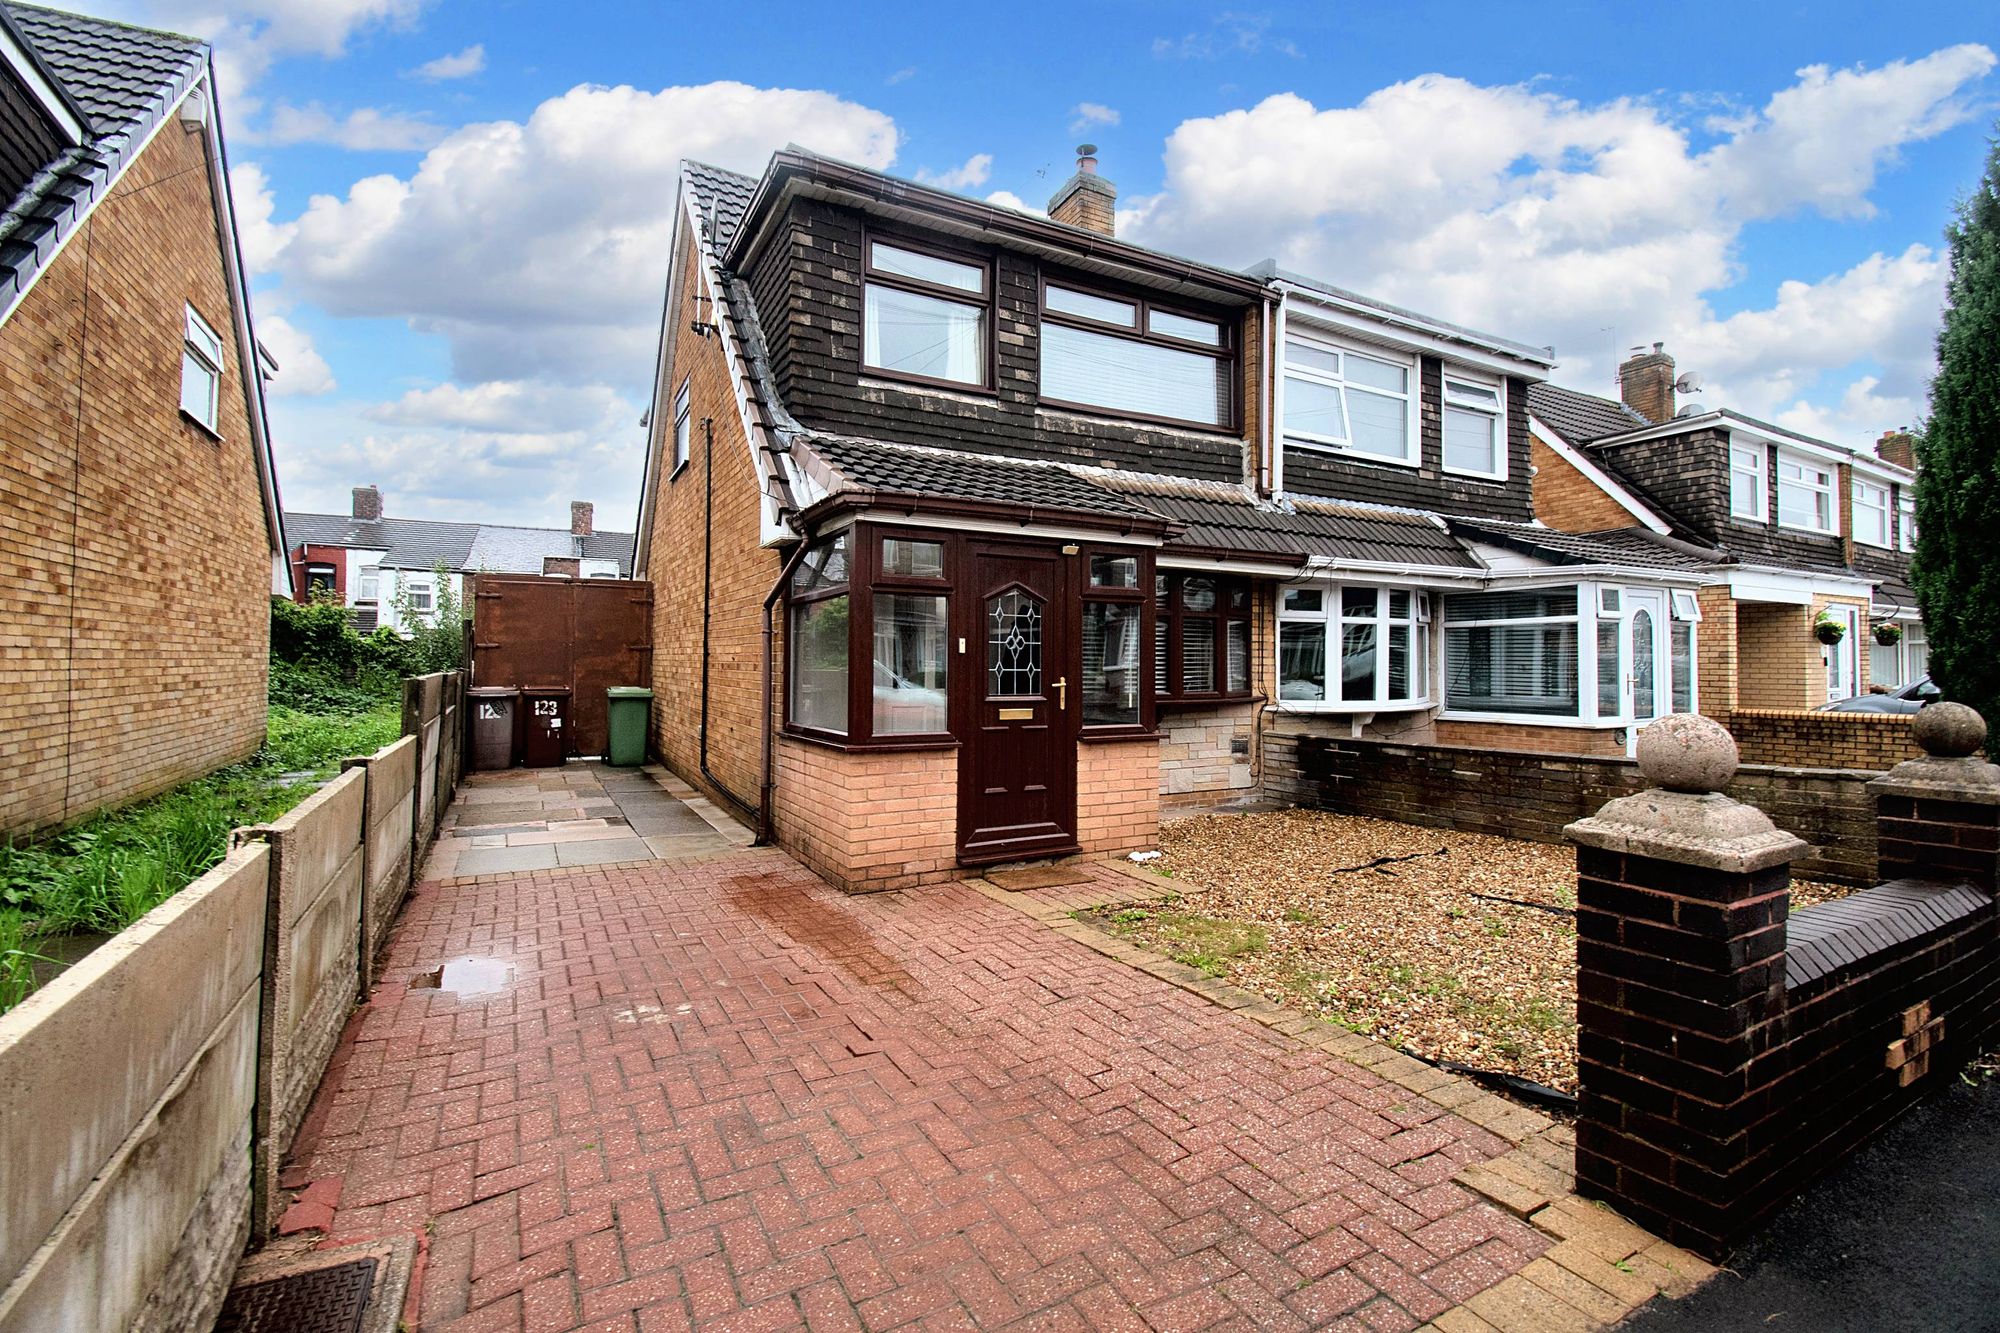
(1682, 899)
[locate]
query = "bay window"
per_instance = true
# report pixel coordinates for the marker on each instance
(925, 316)
(818, 637)
(1475, 438)
(1512, 652)
(1871, 513)
(1349, 401)
(1805, 494)
(1746, 481)
(1124, 355)
(1201, 637)
(1380, 638)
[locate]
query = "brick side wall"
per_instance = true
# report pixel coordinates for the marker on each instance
(1823, 740)
(1118, 796)
(742, 574)
(1779, 662)
(868, 820)
(135, 608)
(1517, 794)
(1567, 500)
(1715, 655)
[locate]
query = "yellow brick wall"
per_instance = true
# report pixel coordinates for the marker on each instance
(1778, 660)
(135, 564)
(1567, 500)
(1805, 739)
(1118, 795)
(868, 820)
(1607, 742)
(1715, 658)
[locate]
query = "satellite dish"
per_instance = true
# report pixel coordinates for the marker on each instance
(1691, 409)
(1688, 383)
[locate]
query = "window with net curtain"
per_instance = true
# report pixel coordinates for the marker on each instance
(1101, 351)
(1512, 652)
(1348, 400)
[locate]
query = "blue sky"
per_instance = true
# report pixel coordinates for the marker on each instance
(459, 212)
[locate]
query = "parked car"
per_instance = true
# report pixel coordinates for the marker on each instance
(1907, 699)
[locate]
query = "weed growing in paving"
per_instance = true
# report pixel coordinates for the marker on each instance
(1200, 942)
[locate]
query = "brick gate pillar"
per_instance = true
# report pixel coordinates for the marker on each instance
(1938, 817)
(1682, 898)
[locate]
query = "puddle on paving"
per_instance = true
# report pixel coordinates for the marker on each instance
(466, 976)
(826, 930)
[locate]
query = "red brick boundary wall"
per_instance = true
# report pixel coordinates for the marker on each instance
(1729, 1051)
(1801, 739)
(1521, 794)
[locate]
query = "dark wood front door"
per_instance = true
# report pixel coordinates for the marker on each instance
(1017, 771)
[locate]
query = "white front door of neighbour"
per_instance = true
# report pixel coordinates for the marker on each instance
(1648, 695)
(1840, 657)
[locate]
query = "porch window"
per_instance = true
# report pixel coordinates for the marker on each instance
(924, 315)
(1349, 401)
(1685, 613)
(1381, 637)
(201, 370)
(1871, 513)
(1474, 439)
(818, 633)
(912, 639)
(1114, 608)
(1122, 354)
(1746, 481)
(1805, 494)
(1201, 637)
(1512, 652)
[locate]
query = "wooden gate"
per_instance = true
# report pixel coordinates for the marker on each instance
(583, 634)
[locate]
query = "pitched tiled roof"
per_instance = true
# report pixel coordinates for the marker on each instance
(1224, 518)
(416, 543)
(908, 469)
(722, 196)
(1581, 417)
(1639, 548)
(509, 550)
(127, 79)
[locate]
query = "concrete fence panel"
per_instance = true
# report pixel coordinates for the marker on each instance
(312, 941)
(388, 826)
(423, 700)
(127, 1091)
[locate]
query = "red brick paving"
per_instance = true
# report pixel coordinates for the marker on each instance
(719, 1094)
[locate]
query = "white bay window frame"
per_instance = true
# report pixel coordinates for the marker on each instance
(1338, 381)
(1331, 616)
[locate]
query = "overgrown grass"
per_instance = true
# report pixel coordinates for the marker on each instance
(1201, 942)
(109, 871)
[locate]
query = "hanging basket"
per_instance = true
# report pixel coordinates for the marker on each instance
(1829, 631)
(1888, 634)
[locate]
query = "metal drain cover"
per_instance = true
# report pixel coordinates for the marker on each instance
(322, 1300)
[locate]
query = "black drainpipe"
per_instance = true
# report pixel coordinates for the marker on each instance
(707, 586)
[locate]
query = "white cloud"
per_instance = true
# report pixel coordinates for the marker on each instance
(1089, 114)
(540, 248)
(1553, 221)
(462, 65)
(506, 407)
(365, 129)
(250, 35)
(1230, 33)
(969, 175)
(262, 238)
(1008, 199)
(302, 371)
(907, 72)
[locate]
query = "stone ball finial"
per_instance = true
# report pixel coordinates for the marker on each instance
(1948, 730)
(1687, 752)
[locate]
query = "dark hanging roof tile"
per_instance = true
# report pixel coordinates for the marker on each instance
(1637, 548)
(947, 474)
(722, 196)
(1581, 417)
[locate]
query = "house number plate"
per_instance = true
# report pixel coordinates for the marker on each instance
(1017, 715)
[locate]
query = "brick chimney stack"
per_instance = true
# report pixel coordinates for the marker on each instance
(367, 503)
(1646, 383)
(580, 515)
(1086, 199)
(1898, 446)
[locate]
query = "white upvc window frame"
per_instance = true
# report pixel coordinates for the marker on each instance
(1471, 404)
(368, 585)
(203, 357)
(1883, 535)
(1824, 490)
(1412, 397)
(683, 415)
(1333, 617)
(421, 586)
(1750, 461)
(1906, 520)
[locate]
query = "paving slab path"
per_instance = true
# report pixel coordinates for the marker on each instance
(710, 1091)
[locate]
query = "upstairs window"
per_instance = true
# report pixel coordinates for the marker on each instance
(201, 371)
(925, 316)
(1906, 521)
(371, 584)
(1805, 494)
(1349, 401)
(682, 417)
(321, 581)
(1871, 513)
(1201, 637)
(1121, 354)
(420, 596)
(1475, 441)
(1746, 481)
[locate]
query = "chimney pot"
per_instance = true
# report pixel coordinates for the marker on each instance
(1646, 383)
(1086, 199)
(580, 514)
(367, 503)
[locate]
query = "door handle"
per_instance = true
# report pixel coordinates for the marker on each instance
(1062, 694)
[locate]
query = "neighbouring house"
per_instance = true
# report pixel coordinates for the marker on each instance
(139, 515)
(374, 565)
(1794, 531)
(979, 536)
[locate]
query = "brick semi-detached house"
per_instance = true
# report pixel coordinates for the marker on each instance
(1792, 529)
(139, 518)
(979, 536)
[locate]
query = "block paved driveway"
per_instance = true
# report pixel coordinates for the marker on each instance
(716, 1093)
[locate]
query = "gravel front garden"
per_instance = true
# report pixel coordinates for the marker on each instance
(1453, 946)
